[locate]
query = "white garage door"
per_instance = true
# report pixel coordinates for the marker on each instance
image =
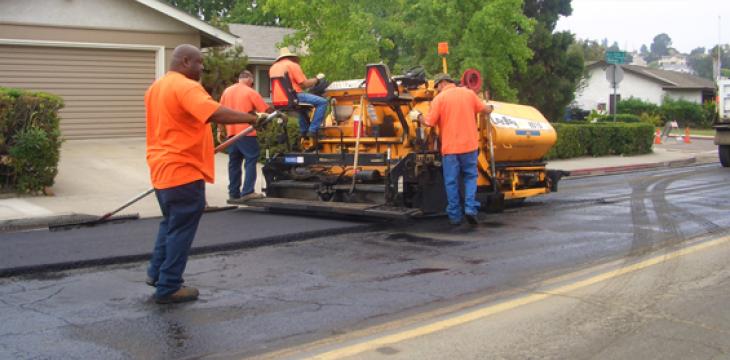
(103, 89)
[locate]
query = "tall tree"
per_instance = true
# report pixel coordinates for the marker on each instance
(659, 47)
(342, 37)
(207, 10)
(253, 12)
(555, 70)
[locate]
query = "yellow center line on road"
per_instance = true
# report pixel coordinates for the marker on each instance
(479, 313)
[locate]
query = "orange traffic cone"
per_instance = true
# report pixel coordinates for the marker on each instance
(686, 135)
(657, 137)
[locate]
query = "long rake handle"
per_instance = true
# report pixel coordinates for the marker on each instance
(224, 145)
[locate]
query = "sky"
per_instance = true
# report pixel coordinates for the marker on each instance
(632, 23)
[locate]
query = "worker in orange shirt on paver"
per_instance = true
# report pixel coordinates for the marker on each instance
(454, 111)
(180, 157)
(288, 63)
(242, 97)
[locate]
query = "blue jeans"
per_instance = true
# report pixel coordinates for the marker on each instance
(454, 167)
(245, 148)
(320, 108)
(182, 206)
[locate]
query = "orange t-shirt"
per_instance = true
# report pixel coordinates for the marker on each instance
(243, 98)
(454, 111)
(179, 138)
(296, 75)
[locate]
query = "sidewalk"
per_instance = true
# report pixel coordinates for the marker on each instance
(97, 176)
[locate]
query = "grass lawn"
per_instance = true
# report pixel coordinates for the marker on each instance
(707, 132)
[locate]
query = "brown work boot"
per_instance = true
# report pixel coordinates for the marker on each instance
(182, 294)
(251, 196)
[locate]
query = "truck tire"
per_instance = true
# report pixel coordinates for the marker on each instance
(724, 151)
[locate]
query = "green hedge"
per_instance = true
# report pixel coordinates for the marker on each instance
(30, 140)
(271, 137)
(686, 113)
(624, 118)
(601, 139)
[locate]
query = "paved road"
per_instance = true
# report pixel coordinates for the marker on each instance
(331, 290)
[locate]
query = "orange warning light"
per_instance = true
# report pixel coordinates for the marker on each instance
(443, 48)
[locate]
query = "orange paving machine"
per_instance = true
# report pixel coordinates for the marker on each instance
(371, 160)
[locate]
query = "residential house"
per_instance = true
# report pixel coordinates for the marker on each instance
(260, 45)
(99, 55)
(675, 62)
(642, 82)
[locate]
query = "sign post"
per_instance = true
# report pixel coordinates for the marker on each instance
(614, 74)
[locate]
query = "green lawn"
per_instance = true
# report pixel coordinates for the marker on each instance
(708, 132)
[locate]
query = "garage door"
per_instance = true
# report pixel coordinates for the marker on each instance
(103, 89)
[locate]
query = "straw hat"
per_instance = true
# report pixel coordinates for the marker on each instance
(443, 77)
(285, 52)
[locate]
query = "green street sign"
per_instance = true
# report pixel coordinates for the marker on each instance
(616, 57)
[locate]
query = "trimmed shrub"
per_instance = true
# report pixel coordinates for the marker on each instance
(601, 139)
(30, 140)
(625, 118)
(637, 107)
(272, 137)
(686, 113)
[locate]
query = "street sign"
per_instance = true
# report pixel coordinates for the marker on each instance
(616, 57)
(616, 71)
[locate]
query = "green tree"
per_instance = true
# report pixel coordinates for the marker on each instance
(207, 10)
(591, 49)
(222, 67)
(659, 47)
(253, 12)
(342, 37)
(554, 72)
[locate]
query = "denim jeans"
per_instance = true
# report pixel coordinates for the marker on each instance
(182, 207)
(320, 108)
(245, 148)
(464, 166)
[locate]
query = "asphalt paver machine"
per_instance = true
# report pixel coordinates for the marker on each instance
(371, 161)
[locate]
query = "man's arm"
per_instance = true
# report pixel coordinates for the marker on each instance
(226, 115)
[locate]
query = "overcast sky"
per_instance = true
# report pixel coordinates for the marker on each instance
(632, 23)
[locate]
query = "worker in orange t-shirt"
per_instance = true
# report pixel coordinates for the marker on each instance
(180, 157)
(454, 111)
(288, 63)
(242, 97)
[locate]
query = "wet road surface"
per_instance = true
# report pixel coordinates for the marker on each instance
(268, 299)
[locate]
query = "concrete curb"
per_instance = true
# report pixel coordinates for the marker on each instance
(629, 168)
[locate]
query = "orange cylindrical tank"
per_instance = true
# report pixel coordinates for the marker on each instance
(521, 133)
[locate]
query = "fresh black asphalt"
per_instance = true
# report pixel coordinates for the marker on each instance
(125, 241)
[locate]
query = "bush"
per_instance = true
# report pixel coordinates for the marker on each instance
(600, 139)
(625, 118)
(272, 137)
(686, 113)
(30, 139)
(33, 171)
(653, 119)
(637, 107)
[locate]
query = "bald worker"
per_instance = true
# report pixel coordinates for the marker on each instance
(180, 157)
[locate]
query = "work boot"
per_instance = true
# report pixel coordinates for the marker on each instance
(313, 142)
(251, 196)
(182, 294)
(471, 219)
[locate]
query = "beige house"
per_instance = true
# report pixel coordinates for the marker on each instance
(260, 46)
(99, 55)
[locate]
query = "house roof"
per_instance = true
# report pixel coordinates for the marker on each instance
(669, 79)
(209, 35)
(259, 42)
